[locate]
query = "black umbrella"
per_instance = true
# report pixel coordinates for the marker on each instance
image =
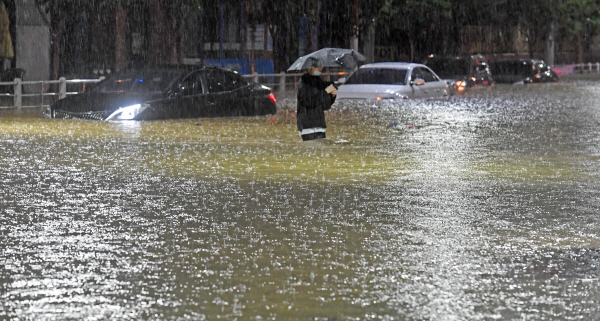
(329, 58)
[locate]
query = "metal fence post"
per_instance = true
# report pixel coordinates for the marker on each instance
(282, 82)
(62, 92)
(18, 94)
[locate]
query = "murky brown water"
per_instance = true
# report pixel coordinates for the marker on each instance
(480, 208)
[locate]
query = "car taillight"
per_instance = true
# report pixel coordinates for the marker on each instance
(272, 98)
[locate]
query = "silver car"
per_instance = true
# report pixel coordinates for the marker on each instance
(393, 80)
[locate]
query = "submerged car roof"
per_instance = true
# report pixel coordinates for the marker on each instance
(395, 65)
(175, 68)
(446, 57)
(519, 60)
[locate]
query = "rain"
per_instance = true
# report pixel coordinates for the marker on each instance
(480, 206)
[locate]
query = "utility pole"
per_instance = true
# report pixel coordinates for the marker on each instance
(355, 22)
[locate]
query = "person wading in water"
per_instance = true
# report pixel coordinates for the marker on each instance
(315, 96)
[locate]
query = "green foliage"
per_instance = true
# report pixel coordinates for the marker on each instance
(580, 14)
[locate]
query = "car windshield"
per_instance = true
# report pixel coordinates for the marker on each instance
(510, 67)
(449, 68)
(138, 82)
(378, 76)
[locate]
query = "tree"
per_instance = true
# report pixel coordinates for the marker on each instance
(166, 40)
(416, 19)
(282, 19)
(58, 11)
(581, 17)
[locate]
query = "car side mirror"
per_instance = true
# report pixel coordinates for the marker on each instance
(418, 82)
(341, 81)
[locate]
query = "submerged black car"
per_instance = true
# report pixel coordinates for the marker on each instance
(461, 72)
(167, 93)
(522, 70)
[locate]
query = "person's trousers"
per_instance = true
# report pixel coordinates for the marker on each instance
(312, 136)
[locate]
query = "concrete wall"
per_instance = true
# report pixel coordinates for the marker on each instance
(32, 45)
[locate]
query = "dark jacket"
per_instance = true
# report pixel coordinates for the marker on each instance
(313, 100)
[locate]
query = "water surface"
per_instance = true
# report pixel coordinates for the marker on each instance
(483, 207)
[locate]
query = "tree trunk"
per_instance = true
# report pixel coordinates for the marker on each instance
(369, 43)
(162, 43)
(580, 48)
(550, 45)
(277, 54)
(355, 26)
(411, 43)
(55, 53)
(530, 43)
(121, 54)
(454, 32)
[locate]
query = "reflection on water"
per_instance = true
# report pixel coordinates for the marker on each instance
(133, 128)
(482, 207)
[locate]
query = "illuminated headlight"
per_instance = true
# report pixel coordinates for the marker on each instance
(47, 112)
(127, 113)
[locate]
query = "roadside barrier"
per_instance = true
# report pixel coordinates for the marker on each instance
(589, 67)
(43, 93)
(40, 93)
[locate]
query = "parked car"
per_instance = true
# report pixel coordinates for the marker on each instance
(393, 80)
(461, 72)
(522, 70)
(166, 93)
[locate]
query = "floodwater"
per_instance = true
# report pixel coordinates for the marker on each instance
(483, 207)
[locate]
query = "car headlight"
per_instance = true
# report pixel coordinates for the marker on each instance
(127, 113)
(47, 112)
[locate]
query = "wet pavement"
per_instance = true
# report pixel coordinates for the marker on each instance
(483, 207)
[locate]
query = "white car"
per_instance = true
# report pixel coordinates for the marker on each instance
(393, 80)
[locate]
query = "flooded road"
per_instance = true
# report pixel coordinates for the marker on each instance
(483, 207)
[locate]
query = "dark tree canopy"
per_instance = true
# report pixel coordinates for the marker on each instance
(170, 30)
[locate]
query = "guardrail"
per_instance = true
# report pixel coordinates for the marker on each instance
(40, 95)
(587, 67)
